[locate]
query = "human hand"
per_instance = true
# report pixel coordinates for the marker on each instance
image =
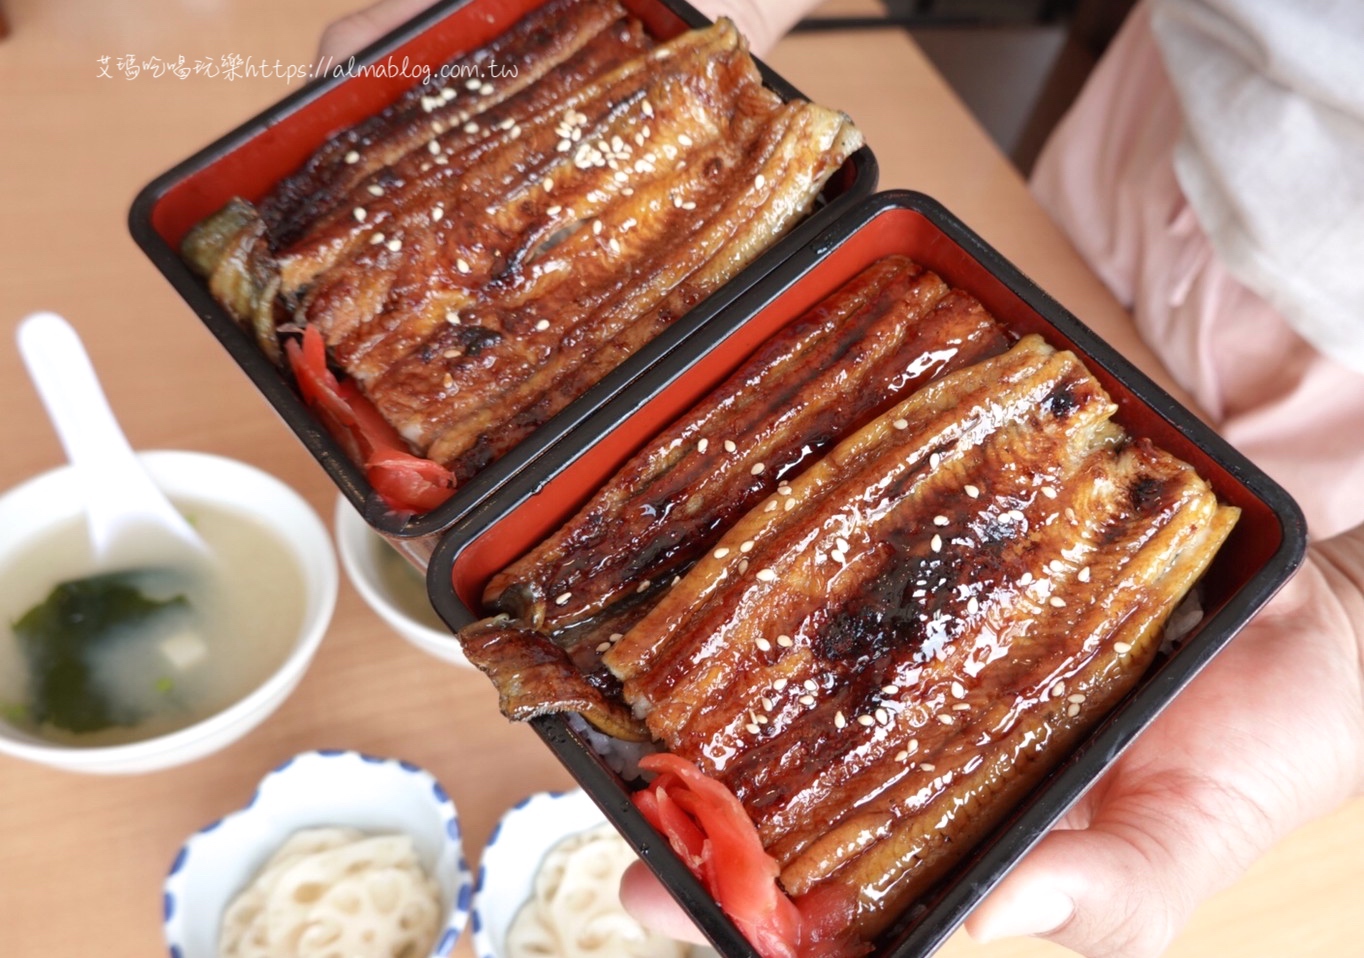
(1270, 736)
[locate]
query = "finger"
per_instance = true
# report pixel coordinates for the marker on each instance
(343, 37)
(1117, 889)
(653, 907)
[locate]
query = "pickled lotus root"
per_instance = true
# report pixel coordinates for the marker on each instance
(574, 910)
(335, 893)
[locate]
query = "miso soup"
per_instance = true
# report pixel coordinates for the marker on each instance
(220, 634)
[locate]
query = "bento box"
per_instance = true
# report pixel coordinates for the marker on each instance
(1262, 552)
(251, 159)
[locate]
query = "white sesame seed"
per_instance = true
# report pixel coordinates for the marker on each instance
(865, 720)
(746, 546)
(360, 214)
(647, 108)
(438, 214)
(840, 721)
(1072, 709)
(752, 728)
(616, 636)
(771, 506)
(433, 147)
(838, 556)
(486, 89)
(563, 599)
(374, 189)
(1049, 492)
(596, 227)
(759, 181)
(395, 245)
(548, 185)
(452, 317)
(563, 146)
(462, 265)
(684, 139)
(453, 353)
(1025, 578)
(757, 469)
(912, 745)
(940, 520)
(812, 685)
(785, 641)
(790, 504)
(1076, 697)
(972, 491)
(961, 707)
(946, 719)
(1056, 565)
(890, 690)
(720, 553)
(1057, 602)
(542, 325)
(936, 543)
(927, 767)
(768, 704)
(447, 94)
(901, 755)
(1015, 515)
(729, 445)
(614, 244)
(767, 575)
(554, 210)
(958, 690)
(780, 684)
(882, 717)
(1058, 689)
(621, 177)
(603, 647)
(376, 239)
(1122, 648)
(352, 157)
(972, 605)
(1083, 574)
(806, 700)
(472, 84)
(689, 205)
(471, 127)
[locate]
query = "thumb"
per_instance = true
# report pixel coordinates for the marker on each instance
(648, 901)
(345, 36)
(1121, 888)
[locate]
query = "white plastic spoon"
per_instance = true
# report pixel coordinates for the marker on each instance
(132, 523)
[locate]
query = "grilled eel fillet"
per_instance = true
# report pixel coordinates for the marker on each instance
(880, 659)
(885, 333)
(476, 261)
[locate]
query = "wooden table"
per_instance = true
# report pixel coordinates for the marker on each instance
(82, 858)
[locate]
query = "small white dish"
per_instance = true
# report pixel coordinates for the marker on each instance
(519, 842)
(511, 860)
(315, 789)
(391, 586)
(51, 499)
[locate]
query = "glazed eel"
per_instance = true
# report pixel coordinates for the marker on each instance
(885, 333)
(884, 655)
(477, 256)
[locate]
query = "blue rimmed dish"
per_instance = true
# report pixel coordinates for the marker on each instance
(315, 789)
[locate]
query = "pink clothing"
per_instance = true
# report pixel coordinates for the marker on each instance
(1107, 178)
